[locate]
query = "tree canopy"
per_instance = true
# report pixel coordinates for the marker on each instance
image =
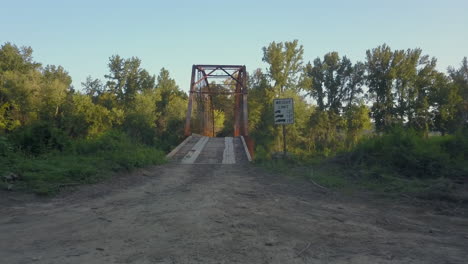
(337, 101)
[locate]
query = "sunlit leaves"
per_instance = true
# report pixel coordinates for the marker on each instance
(284, 63)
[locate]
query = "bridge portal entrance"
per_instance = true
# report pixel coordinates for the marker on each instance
(205, 83)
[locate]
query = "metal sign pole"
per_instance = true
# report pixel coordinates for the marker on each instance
(284, 141)
(284, 115)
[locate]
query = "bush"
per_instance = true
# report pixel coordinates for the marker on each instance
(5, 146)
(172, 136)
(109, 141)
(136, 157)
(409, 154)
(86, 161)
(39, 138)
(139, 127)
(457, 146)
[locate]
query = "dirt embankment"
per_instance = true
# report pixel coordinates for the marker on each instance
(223, 214)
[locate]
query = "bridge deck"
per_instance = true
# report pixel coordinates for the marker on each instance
(206, 150)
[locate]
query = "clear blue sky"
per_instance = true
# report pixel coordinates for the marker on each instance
(82, 35)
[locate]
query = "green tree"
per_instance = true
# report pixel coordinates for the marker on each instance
(20, 83)
(141, 118)
(284, 63)
(90, 120)
(357, 122)
(171, 107)
(126, 78)
(336, 86)
(261, 123)
(399, 85)
(13, 58)
(55, 86)
(380, 76)
(7, 120)
(324, 132)
(418, 115)
(334, 83)
(445, 99)
(168, 92)
(459, 78)
(93, 87)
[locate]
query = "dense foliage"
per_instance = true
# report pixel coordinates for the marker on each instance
(338, 102)
(410, 155)
(393, 111)
(392, 123)
(52, 134)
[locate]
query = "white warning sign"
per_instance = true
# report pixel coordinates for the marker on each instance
(283, 111)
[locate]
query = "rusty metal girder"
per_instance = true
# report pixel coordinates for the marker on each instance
(200, 88)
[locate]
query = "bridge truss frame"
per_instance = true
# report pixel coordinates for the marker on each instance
(200, 86)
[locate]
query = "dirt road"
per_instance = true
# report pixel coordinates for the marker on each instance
(222, 214)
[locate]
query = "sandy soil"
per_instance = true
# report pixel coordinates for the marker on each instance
(223, 214)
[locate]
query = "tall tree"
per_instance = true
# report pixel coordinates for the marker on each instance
(400, 83)
(285, 63)
(418, 114)
(13, 58)
(445, 100)
(171, 106)
(460, 80)
(380, 76)
(55, 86)
(261, 121)
(168, 89)
(335, 83)
(20, 82)
(126, 78)
(93, 87)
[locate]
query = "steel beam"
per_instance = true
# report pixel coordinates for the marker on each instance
(245, 116)
(202, 73)
(187, 130)
(213, 66)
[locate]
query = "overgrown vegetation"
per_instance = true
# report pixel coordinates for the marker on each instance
(400, 162)
(412, 156)
(392, 123)
(52, 135)
(80, 161)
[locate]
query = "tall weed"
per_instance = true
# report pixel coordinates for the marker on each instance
(409, 154)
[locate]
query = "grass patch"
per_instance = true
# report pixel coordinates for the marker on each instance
(84, 162)
(330, 177)
(395, 164)
(376, 180)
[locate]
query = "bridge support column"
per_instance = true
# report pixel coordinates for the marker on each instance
(187, 130)
(237, 114)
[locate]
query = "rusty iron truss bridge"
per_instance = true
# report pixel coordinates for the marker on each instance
(206, 82)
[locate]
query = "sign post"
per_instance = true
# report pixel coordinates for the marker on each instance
(283, 115)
